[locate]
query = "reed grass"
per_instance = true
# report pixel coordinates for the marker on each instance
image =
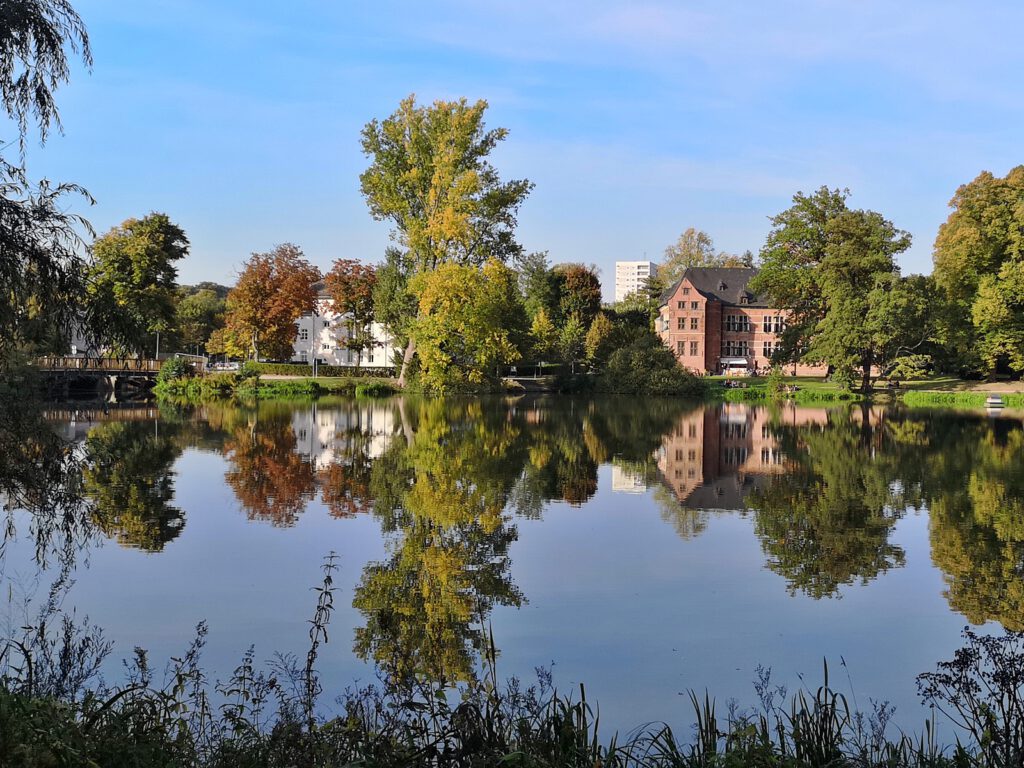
(50, 715)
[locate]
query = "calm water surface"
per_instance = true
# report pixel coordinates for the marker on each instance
(642, 547)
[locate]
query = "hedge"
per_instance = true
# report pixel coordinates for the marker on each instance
(305, 369)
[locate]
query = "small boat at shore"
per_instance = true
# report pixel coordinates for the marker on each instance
(994, 402)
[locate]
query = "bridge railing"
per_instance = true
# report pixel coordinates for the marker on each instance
(128, 365)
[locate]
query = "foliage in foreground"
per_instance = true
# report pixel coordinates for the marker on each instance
(52, 713)
(647, 367)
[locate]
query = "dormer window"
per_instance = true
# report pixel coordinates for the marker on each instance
(722, 286)
(744, 300)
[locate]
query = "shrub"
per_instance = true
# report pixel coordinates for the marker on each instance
(375, 389)
(249, 370)
(174, 368)
(646, 367)
(304, 369)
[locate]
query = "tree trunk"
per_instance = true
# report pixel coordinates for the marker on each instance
(865, 384)
(410, 350)
(406, 424)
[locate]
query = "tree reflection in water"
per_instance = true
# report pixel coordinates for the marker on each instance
(826, 488)
(447, 493)
(271, 479)
(975, 484)
(445, 480)
(128, 477)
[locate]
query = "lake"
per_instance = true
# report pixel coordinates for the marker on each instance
(643, 547)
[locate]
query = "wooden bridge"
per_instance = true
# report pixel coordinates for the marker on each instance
(126, 377)
(110, 366)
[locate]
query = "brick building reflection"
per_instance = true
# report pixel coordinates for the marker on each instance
(716, 456)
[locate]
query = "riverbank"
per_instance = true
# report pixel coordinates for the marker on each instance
(937, 391)
(222, 386)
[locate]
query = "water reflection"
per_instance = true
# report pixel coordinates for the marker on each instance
(272, 480)
(447, 480)
(129, 478)
(975, 481)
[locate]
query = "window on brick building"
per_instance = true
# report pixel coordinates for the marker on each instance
(766, 324)
(686, 291)
(694, 305)
(693, 323)
(680, 347)
(735, 349)
(693, 430)
(693, 348)
(680, 305)
(691, 455)
(768, 348)
(681, 323)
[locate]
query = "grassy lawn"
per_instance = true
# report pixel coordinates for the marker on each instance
(944, 391)
(806, 388)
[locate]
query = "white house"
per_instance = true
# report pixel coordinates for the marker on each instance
(322, 434)
(322, 335)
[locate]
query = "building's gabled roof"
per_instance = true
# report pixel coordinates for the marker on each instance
(725, 284)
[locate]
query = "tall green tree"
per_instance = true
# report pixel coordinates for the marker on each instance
(827, 265)
(394, 305)
(197, 316)
(979, 262)
(470, 322)
(599, 339)
(543, 336)
(41, 266)
(539, 285)
(132, 281)
(572, 340)
(430, 177)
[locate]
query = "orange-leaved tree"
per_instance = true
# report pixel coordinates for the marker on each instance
(273, 291)
(350, 285)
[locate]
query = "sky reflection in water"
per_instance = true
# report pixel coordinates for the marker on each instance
(642, 548)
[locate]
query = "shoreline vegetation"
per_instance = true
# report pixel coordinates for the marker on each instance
(284, 381)
(56, 710)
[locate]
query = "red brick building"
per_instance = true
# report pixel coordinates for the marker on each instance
(714, 324)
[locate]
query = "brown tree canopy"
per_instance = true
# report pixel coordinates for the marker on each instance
(579, 291)
(271, 479)
(273, 291)
(351, 285)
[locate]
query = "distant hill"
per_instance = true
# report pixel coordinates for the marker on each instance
(217, 288)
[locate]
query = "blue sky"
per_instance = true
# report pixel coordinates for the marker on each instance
(635, 120)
